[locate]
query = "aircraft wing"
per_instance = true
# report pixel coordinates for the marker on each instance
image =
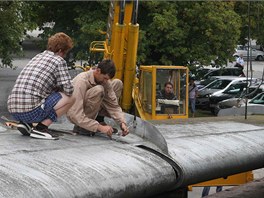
(149, 161)
(210, 150)
(79, 166)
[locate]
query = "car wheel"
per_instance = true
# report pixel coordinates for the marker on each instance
(216, 110)
(213, 111)
(260, 58)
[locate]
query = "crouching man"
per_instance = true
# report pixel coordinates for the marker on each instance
(43, 89)
(97, 95)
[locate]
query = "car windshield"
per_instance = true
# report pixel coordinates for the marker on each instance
(218, 84)
(201, 72)
(207, 81)
(236, 88)
(240, 47)
(259, 99)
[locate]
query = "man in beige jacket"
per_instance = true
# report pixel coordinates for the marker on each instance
(97, 95)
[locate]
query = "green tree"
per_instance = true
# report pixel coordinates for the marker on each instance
(159, 33)
(181, 33)
(171, 33)
(81, 20)
(259, 24)
(15, 20)
(251, 13)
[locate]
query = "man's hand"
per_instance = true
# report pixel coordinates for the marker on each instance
(124, 128)
(108, 130)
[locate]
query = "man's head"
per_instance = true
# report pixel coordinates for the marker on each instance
(192, 79)
(60, 43)
(168, 87)
(105, 70)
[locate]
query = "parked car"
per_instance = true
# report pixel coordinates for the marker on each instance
(202, 100)
(215, 73)
(233, 90)
(254, 106)
(255, 54)
(201, 72)
(237, 102)
(259, 99)
(201, 84)
(227, 71)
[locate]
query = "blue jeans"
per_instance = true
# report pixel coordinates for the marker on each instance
(45, 111)
(192, 104)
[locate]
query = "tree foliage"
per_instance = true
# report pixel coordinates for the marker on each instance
(187, 32)
(14, 20)
(81, 20)
(251, 14)
(171, 32)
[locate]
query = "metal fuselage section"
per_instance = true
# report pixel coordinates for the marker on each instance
(149, 161)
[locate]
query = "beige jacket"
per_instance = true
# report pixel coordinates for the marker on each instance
(90, 99)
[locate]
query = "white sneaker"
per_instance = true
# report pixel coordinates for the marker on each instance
(24, 128)
(43, 134)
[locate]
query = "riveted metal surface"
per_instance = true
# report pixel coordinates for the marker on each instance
(79, 166)
(210, 150)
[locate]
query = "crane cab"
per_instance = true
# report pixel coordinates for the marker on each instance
(151, 82)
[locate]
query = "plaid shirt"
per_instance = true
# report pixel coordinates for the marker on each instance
(44, 74)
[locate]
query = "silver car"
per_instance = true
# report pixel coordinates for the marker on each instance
(254, 106)
(255, 54)
(202, 100)
(238, 102)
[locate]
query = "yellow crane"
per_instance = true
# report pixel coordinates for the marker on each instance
(140, 87)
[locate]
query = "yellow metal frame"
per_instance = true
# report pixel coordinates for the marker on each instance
(130, 66)
(153, 115)
(101, 47)
(127, 18)
(122, 49)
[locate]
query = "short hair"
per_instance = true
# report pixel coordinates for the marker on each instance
(168, 83)
(107, 66)
(60, 41)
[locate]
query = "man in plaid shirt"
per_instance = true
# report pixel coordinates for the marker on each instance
(43, 89)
